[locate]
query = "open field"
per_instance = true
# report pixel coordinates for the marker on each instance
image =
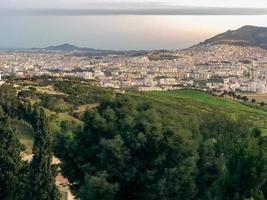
(193, 102)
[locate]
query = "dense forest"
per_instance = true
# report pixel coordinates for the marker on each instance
(20, 179)
(127, 146)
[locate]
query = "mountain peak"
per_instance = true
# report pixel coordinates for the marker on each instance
(67, 45)
(63, 47)
(248, 27)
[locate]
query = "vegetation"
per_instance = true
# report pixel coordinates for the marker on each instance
(80, 94)
(232, 162)
(42, 173)
(21, 180)
(12, 168)
(195, 103)
(182, 144)
(129, 151)
(55, 104)
(25, 132)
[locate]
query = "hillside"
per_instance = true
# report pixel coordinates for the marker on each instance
(61, 103)
(216, 53)
(195, 104)
(246, 43)
(58, 99)
(184, 130)
(244, 36)
(69, 48)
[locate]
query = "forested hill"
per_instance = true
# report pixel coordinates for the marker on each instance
(63, 103)
(158, 145)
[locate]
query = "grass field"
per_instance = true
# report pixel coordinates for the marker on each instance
(57, 118)
(25, 133)
(196, 102)
(205, 98)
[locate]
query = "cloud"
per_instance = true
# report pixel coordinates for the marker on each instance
(136, 11)
(129, 3)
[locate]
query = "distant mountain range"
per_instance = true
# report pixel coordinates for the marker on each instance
(71, 48)
(68, 48)
(244, 36)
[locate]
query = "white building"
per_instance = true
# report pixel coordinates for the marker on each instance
(1, 81)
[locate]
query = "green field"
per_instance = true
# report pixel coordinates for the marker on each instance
(193, 102)
(204, 98)
(57, 118)
(25, 133)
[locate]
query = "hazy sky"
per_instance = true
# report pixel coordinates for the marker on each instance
(42, 25)
(128, 3)
(118, 32)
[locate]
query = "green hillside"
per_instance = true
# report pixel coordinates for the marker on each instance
(197, 103)
(185, 106)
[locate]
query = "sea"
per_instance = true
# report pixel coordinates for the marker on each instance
(118, 32)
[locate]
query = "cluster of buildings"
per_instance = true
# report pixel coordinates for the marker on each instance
(212, 67)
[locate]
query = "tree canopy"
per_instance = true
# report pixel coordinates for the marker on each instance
(41, 172)
(133, 148)
(12, 168)
(127, 151)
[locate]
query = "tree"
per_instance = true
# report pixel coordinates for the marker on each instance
(232, 162)
(126, 151)
(246, 173)
(245, 98)
(253, 101)
(42, 172)
(12, 168)
(232, 94)
(8, 99)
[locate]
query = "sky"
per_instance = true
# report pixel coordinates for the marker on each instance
(118, 32)
(182, 23)
(87, 4)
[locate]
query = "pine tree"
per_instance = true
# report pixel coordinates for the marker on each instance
(42, 172)
(12, 168)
